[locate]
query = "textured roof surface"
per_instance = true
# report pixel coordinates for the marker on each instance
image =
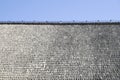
(71, 51)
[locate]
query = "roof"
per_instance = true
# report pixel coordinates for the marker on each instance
(57, 23)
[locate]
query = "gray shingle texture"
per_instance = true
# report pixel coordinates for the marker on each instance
(59, 52)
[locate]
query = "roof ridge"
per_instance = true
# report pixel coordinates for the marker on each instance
(59, 22)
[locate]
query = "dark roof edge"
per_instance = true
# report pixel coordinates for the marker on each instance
(58, 23)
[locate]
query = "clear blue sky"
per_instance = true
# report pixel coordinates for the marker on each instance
(59, 10)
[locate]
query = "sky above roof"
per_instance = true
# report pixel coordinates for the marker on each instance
(59, 10)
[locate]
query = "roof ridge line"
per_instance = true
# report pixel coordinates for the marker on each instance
(59, 22)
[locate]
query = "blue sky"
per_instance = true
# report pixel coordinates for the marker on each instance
(59, 10)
